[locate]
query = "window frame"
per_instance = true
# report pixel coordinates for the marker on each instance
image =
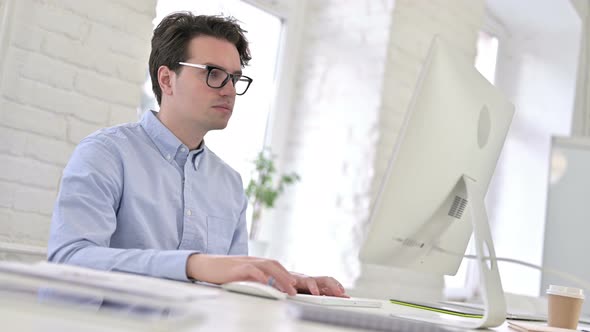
(291, 13)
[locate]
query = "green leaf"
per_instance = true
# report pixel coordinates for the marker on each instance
(264, 188)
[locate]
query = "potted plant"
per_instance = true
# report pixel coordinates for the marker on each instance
(265, 187)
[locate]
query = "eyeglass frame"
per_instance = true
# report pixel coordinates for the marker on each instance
(234, 77)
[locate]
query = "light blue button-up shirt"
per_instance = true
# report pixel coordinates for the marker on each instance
(133, 198)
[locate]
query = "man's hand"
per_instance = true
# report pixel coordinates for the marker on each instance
(222, 269)
(318, 285)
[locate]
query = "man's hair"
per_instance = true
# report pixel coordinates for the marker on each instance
(175, 31)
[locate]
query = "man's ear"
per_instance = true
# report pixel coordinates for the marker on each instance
(165, 80)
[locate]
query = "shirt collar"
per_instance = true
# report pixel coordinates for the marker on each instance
(163, 138)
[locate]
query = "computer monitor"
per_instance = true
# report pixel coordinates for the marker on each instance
(432, 197)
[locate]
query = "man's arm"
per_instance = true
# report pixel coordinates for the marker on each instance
(84, 218)
(222, 269)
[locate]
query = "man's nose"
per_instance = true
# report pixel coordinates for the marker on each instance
(228, 89)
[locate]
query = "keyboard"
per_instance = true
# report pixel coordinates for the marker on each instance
(374, 320)
(337, 301)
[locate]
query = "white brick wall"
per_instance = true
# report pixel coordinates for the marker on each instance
(70, 68)
(333, 134)
(361, 62)
(415, 22)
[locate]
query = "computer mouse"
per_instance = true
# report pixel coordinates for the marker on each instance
(254, 288)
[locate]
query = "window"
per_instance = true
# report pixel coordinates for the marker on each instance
(487, 56)
(244, 136)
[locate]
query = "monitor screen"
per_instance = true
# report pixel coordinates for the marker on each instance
(432, 197)
(454, 130)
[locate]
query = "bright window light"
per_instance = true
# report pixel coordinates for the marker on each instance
(487, 55)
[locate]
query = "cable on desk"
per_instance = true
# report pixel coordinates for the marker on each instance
(579, 281)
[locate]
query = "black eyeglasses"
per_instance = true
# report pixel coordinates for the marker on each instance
(217, 78)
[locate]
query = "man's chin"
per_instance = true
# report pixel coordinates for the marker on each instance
(219, 126)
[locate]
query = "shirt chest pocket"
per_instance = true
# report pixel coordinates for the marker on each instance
(220, 233)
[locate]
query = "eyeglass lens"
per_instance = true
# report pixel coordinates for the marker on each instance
(218, 78)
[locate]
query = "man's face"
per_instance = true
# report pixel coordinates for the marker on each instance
(192, 99)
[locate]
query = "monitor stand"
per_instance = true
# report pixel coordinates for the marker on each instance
(380, 281)
(490, 284)
(388, 282)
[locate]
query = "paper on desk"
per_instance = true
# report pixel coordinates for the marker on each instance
(532, 327)
(162, 289)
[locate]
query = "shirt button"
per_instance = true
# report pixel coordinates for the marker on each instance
(182, 149)
(189, 212)
(168, 157)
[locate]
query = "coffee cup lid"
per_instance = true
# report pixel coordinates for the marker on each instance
(566, 291)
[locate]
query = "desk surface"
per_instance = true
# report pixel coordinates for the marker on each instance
(224, 312)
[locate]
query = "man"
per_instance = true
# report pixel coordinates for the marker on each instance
(150, 197)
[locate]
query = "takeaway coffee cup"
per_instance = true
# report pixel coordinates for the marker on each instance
(565, 304)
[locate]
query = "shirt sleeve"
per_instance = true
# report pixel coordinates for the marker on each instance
(85, 218)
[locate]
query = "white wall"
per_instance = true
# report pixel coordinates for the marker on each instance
(71, 67)
(361, 62)
(331, 134)
(414, 25)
